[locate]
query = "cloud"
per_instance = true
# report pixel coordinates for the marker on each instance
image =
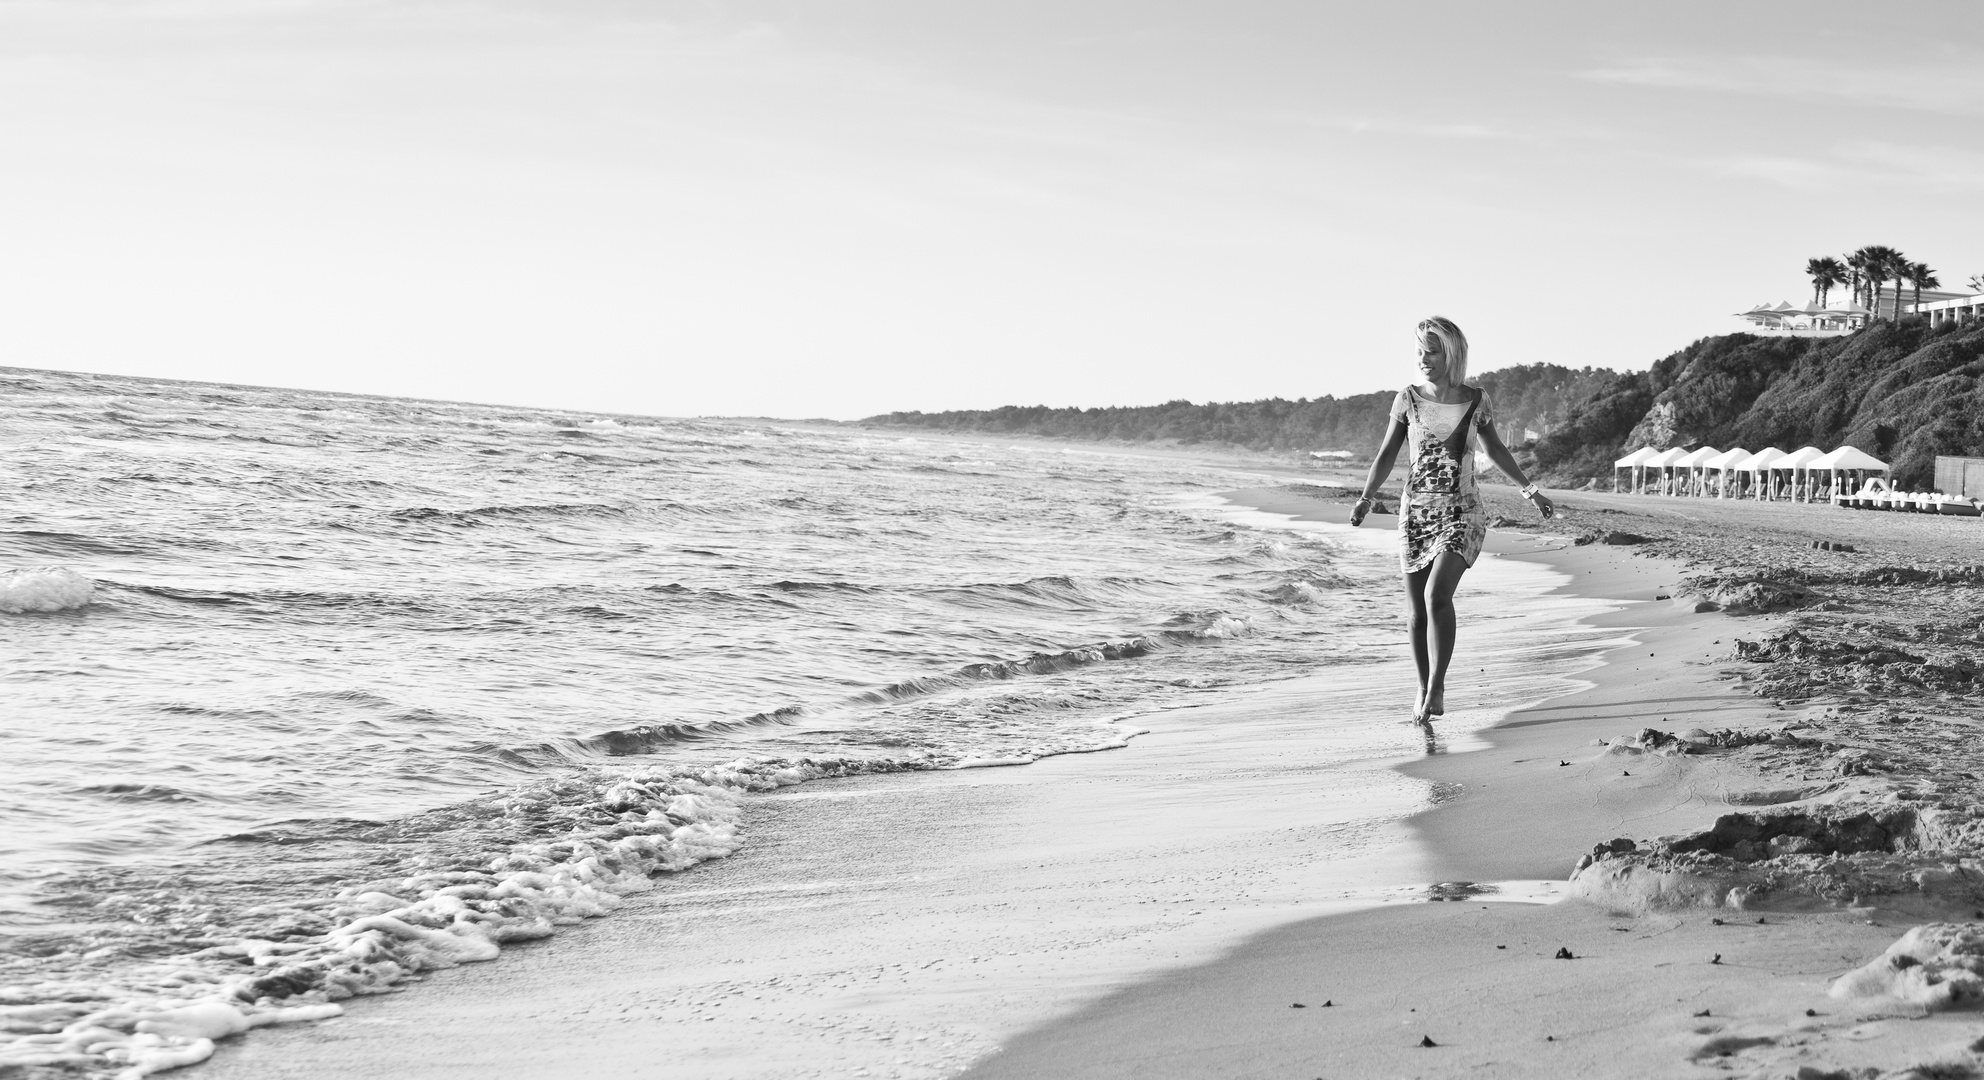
(1917, 169)
(1382, 126)
(1943, 88)
(1936, 168)
(1801, 174)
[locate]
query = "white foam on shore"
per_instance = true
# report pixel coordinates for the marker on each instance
(44, 589)
(906, 925)
(627, 831)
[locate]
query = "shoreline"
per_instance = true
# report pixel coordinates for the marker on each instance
(1575, 989)
(907, 925)
(1514, 812)
(1012, 944)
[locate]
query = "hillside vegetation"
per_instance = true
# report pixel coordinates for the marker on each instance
(1532, 396)
(1902, 392)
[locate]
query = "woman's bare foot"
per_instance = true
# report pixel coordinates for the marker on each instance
(1434, 703)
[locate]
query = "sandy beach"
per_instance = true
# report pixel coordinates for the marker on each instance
(1646, 990)
(1151, 912)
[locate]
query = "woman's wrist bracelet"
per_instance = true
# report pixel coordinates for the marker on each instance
(1528, 491)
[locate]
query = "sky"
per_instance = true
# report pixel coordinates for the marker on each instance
(837, 208)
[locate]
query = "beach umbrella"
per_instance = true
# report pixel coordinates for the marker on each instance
(1767, 315)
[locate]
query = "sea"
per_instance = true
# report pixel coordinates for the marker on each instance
(304, 693)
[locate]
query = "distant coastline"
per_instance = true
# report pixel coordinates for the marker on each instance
(1901, 390)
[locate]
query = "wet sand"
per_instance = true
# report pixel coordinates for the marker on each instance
(1481, 989)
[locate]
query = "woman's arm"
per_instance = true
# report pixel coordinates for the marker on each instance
(1506, 462)
(1381, 469)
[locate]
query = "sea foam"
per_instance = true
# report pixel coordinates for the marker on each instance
(624, 830)
(44, 588)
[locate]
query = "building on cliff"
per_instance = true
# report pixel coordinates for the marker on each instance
(1813, 320)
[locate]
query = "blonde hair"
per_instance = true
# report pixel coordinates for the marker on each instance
(1452, 341)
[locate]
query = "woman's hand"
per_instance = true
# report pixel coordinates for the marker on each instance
(1357, 512)
(1543, 505)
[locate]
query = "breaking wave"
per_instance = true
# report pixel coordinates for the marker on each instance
(44, 588)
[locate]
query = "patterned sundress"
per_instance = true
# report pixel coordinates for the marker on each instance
(1442, 510)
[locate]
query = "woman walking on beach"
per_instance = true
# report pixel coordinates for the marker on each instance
(1440, 520)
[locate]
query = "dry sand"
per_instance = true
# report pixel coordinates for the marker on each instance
(1148, 911)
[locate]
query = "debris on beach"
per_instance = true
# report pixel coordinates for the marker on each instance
(1613, 537)
(1897, 852)
(1651, 740)
(1458, 890)
(1936, 966)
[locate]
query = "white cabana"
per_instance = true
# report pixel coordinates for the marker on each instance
(1693, 461)
(1758, 466)
(1721, 464)
(1664, 461)
(1799, 461)
(1631, 461)
(1849, 467)
(1846, 457)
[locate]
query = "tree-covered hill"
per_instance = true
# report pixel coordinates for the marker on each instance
(1532, 396)
(1902, 392)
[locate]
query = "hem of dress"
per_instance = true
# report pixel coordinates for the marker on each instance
(1408, 568)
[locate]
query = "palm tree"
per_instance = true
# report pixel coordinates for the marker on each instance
(1825, 273)
(1857, 272)
(1898, 268)
(1920, 276)
(1877, 266)
(1976, 282)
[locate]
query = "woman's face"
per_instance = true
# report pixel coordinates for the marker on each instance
(1432, 358)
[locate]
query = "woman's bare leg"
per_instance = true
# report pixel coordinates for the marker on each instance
(1437, 600)
(1415, 622)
